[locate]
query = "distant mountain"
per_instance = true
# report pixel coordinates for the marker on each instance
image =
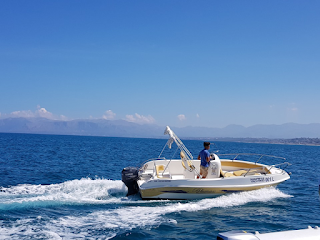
(88, 127)
(122, 128)
(272, 131)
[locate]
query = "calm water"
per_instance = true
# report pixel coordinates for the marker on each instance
(69, 187)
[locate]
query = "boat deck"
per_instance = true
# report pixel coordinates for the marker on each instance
(175, 170)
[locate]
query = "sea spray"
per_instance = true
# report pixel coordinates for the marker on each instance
(122, 217)
(74, 192)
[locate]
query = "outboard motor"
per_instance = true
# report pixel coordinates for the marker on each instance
(130, 177)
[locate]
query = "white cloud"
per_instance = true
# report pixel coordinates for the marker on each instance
(130, 118)
(181, 117)
(25, 114)
(64, 118)
(40, 112)
(109, 115)
(137, 118)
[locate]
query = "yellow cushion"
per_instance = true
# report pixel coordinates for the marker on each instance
(228, 174)
(240, 172)
(160, 168)
(160, 173)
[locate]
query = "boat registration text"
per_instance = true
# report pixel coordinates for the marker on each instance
(262, 179)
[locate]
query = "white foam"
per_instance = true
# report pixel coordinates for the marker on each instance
(83, 191)
(140, 216)
(234, 199)
(123, 217)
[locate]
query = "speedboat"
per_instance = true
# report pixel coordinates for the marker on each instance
(179, 178)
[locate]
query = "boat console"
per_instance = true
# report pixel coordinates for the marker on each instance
(215, 167)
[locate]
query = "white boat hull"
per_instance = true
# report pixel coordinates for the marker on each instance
(181, 184)
(205, 188)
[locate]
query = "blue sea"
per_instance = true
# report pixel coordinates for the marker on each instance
(69, 187)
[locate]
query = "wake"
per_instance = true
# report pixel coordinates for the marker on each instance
(119, 215)
(75, 192)
(88, 191)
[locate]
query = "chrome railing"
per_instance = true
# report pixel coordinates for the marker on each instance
(250, 154)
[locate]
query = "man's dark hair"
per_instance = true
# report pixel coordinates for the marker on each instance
(205, 144)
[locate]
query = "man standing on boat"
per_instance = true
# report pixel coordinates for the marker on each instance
(204, 156)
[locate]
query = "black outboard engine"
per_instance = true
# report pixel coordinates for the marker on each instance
(129, 177)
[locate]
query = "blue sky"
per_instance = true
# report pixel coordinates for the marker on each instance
(178, 63)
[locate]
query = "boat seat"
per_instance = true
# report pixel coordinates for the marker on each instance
(228, 174)
(246, 172)
(160, 173)
(240, 173)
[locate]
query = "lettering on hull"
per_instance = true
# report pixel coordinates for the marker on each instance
(262, 179)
